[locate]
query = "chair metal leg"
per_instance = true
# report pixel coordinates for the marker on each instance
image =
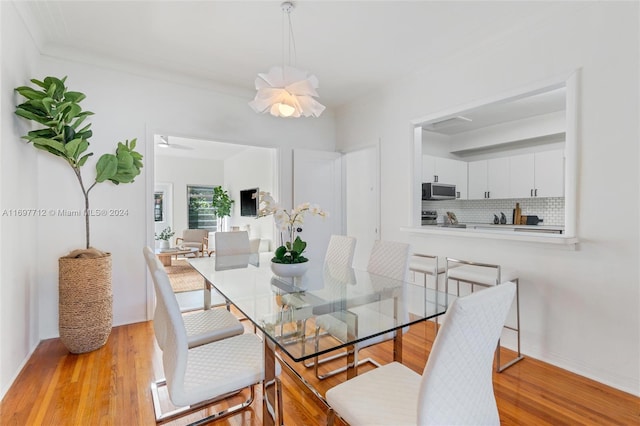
(182, 411)
(331, 417)
(501, 367)
(352, 361)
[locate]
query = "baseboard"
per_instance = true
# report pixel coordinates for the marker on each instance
(24, 362)
(624, 383)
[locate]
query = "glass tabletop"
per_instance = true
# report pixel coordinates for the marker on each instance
(352, 305)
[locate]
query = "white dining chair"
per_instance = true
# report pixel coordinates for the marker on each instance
(388, 259)
(201, 327)
(338, 263)
(487, 275)
(340, 250)
(456, 386)
(231, 243)
(232, 246)
(206, 374)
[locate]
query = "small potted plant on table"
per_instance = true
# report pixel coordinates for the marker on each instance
(288, 260)
(164, 236)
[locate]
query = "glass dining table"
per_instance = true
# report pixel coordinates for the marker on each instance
(286, 309)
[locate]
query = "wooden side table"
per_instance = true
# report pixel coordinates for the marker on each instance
(165, 255)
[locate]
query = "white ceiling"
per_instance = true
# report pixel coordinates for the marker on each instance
(501, 112)
(353, 47)
(194, 148)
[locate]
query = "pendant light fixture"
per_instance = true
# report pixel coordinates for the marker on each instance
(287, 91)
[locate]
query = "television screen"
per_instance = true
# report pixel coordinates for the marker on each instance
(249, 201)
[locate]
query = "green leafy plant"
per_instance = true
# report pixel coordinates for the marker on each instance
(290, 253)
(221, 202)
(58, 110)
(165, 234)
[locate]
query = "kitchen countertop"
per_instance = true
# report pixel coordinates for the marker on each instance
(542, 228)
(526, 233)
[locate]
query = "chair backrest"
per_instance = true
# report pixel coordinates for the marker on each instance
(456, 386)
(340, 250)
(390, 259)
(195, 238)
(159, 316)
(175, 352)
(254, 245)
(195, 235)
(152, 260)
(234, 242)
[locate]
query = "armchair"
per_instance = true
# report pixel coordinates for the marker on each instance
(195, 238)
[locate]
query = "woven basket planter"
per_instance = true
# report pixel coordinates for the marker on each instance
(85, 302)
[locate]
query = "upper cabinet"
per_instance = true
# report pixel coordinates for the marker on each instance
(446, 170)
(539, 174)
(489, 178)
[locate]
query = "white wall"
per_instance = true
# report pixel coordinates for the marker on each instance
(152, 107)
(181, 172)
(252, 168)
(125, 106)
(580, 308)
(19, 236)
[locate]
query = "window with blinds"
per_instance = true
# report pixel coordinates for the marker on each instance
(199, 206)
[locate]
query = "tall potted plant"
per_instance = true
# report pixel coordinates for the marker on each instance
(221, 203)
(85, 295)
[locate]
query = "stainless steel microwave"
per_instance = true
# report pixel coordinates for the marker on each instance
(438, 191)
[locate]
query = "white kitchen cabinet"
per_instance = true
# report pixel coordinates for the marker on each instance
(549, 174)
(539, 174)
(522, 172)
(428, 168)
(446, 170)
(489, 178)
(477, 171)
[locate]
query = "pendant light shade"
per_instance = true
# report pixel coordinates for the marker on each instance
(286, 91)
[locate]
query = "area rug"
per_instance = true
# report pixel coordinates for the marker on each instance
(183, 277)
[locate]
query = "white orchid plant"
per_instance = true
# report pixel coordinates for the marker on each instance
(289, 222)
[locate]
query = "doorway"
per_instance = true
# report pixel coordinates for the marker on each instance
(181, 164)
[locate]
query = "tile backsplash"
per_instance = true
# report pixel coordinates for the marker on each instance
(482, 211)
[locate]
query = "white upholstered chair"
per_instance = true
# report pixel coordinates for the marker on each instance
(338, 263)
(233, 242)
(203, 375)
(487, 275)
(428, 266)
(456, 386)
(201, 327)
(388, 259)
(195, 238)
(340, 250)
(235, 245)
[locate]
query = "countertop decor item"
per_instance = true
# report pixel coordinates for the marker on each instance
(85, 292)
(289, 222)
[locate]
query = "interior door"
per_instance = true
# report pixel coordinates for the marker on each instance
(317, 179)
(362, 200)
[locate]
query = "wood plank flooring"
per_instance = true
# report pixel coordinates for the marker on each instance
(110, 386)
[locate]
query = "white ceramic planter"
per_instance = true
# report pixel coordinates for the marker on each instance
(289, 269)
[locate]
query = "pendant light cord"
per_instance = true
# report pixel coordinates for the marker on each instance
(290, 48)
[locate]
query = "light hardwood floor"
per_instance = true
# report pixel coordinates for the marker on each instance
(110, 386)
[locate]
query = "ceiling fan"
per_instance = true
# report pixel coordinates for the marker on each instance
(164, 143)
